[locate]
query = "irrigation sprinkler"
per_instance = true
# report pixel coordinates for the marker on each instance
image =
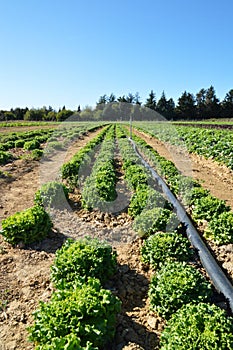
(130, 126)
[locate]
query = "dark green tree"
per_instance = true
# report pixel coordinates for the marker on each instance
(112, 98)
(212, 104)
(9, 115)
(200, 104)
(186, 107)
(227, 105)
(170, 109)
(19, 112)
(51, 116)
(151, 101)
(102, 100)
(64, 114)
(137, 99)
(122, 99)
(130, 98)
(166, 107)
(34, 114)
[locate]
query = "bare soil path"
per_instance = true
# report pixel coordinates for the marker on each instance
(11, 129)
(24, 179)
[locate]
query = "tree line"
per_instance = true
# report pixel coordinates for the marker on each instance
(203, 105)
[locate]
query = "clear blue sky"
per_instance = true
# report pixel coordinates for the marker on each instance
(70, 52)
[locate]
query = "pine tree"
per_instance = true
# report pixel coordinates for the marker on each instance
(151, 101)
(186, 108)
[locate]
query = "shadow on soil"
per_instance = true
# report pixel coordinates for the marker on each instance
(132, 331)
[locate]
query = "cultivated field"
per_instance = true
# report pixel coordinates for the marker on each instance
(79, 180)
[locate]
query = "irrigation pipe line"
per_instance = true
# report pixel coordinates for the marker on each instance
(216, 274)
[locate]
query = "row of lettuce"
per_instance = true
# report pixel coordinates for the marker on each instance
(41, 141)
(178, 291)
(81, 313)
(211, 143)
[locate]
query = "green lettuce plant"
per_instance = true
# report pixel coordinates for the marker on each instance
(27, 226)
(78, 260)
(87, 311)
(164, 246)
(176, 284)
(154, 220)
(198, 326)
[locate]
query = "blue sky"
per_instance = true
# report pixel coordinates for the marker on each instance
(70, 52)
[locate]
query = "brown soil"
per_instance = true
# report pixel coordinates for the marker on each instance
(25, 273)
(26, 128)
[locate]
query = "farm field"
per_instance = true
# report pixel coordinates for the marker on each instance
(25, 269)
(214, 176)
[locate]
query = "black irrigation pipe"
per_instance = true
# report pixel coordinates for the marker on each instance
(216, 274)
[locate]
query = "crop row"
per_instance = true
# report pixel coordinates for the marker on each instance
(210, 143)
(81, 313)
(58, 139)
(99, 186)
(176, 288)
(23, 123)
(17, 139)
(70, 171)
